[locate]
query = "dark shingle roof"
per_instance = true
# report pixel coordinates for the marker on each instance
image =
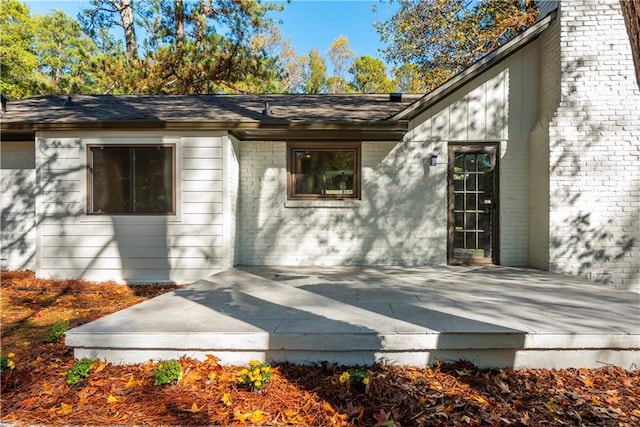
(204, 108)
(243, 113)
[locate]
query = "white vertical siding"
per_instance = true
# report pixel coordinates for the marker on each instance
(548, 99)
(178, 248)
(500, 106)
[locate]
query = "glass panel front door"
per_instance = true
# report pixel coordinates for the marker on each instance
(472, 174)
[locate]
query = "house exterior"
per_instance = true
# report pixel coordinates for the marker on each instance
(531, 157)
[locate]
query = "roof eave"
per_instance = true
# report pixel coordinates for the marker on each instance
(268, 130)
(484, 64)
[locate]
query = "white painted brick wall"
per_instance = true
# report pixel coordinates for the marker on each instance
(230, 191)
(394, 223)
(514, 214)
(548, 100)
(594, 141)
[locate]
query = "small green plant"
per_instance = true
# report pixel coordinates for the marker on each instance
(167, 371)
(357, 377)
(256, 376)
(57, 330)
(80, 370)
(6, 362)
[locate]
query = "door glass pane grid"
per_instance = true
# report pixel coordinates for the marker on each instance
(471, 222)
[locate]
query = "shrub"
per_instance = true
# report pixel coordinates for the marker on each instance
(167, 371)
(80, 370)
(57, 330)
(6, 362)
(256, 376)
(357, 377)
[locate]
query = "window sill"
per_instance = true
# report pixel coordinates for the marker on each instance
(131, 219)
(322, 203)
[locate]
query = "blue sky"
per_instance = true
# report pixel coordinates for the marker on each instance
(307, 23)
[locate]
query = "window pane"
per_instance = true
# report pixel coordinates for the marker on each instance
(458, 162)
(471, 182)
(458, 221)
(471, 202)
(458, 201)
(470, 162)
(470, 221)
(458, 240)
(470, 242)
(132, 179)
(458, 181)
(111, 180)
(324, 172)
(153, 180)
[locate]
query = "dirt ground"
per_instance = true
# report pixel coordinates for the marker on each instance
(35, 389)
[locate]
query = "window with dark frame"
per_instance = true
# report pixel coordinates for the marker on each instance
(324, 171)
(131, 179)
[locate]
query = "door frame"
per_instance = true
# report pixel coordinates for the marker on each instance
(474, 147)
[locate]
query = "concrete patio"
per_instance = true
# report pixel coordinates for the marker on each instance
(492, 316)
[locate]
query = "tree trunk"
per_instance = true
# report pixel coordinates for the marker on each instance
(125, 9)
(179, 11)
(631, 13)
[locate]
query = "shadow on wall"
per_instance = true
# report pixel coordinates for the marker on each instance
(591, 235)
(392, 224)
(401, 218)
(18, 219)
(109, 248)
(20, 190)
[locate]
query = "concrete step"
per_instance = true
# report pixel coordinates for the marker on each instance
(245, 314)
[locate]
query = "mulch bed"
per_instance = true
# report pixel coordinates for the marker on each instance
(35, 391)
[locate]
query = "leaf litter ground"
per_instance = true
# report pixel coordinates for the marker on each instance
(35, 390)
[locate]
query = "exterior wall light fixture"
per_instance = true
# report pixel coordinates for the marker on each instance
(433, 161)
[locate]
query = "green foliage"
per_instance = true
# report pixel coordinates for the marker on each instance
(167, 371)
(64, 55)
(57, 330)
(6, 362)
(442, 37)
(316, 73)
(256, 376)
(43, 54)
(408, 79)
(370, 76)
(358, 377)
(337, 84)
(190, 47)
(80, 370)
(17, 58)
(341, 55)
